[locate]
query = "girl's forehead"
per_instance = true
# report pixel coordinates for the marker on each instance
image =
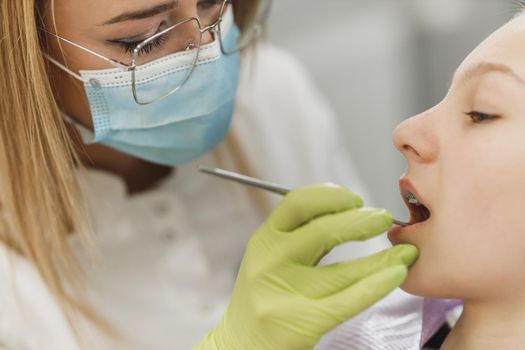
(505, 46)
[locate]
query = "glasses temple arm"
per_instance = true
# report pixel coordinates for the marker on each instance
(113, 62)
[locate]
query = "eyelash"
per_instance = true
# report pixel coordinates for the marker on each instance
(146, 49)
(158, 42)
(480, 117)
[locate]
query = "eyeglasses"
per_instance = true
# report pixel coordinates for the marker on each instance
(184, 37)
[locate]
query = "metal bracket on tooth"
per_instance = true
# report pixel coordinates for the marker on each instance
(412, 199)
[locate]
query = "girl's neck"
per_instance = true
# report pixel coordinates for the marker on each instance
(482, 325)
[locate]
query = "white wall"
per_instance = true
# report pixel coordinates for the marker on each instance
(380, 61)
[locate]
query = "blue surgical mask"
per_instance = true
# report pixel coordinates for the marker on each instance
(178, 128)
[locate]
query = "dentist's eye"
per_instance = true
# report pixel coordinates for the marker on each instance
(129, 44)
(155, 43)
(209, 10)
(480, 117)
(207, 4)
(150, 46)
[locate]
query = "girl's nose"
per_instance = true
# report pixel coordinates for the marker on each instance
(416, 138)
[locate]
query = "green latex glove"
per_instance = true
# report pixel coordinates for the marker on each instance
(282, 300)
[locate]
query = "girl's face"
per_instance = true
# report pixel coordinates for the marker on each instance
(466, 164)
(112, 29)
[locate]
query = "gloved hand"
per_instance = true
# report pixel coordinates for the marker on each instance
(282, 300)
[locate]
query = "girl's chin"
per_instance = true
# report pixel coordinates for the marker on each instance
(419, 283)
(413, 290)
(429, 288)
(411, 287)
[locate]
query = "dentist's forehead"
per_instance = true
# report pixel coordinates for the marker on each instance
(506, 46)
(115, 14)
(114, 7)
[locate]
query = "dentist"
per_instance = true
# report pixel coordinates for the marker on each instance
(108, 239)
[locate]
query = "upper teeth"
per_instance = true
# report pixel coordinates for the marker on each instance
(412, 199)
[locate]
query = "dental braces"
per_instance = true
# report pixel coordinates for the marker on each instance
(412, 199)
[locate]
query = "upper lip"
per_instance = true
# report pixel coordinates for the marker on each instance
(406, 187)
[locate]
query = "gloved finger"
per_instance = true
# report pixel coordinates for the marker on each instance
(314, 240)
(361, 295)
(319, 282)
(304, 204)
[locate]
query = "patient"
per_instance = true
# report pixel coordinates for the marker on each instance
(465, 188)
(466, 168)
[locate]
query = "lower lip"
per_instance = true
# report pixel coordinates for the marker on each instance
(396, 230)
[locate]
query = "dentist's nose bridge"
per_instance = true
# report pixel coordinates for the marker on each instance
(207, 37)
(416, 138)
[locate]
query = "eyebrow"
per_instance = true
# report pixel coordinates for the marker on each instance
(144, 13)
(482, 68)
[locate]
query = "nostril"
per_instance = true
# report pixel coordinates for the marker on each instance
(410, 149)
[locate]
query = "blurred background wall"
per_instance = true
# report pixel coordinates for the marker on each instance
(380, 61)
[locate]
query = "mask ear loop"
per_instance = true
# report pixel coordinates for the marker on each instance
(86, 135)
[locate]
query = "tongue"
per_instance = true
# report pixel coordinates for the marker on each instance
(422, 214)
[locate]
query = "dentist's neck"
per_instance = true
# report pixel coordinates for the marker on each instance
(137, 174)
(483, 325)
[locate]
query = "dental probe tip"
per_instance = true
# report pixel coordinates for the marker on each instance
(400, 223)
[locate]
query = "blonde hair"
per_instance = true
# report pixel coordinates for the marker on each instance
(519, 7)
(39, 198)
(40, 202)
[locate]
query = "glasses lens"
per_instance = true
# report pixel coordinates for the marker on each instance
(181, 41)
(252, 26)
(211, 10)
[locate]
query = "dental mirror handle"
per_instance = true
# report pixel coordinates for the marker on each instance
(253, 182)
(245, 180)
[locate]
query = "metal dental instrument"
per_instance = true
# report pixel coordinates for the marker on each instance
(253, 182)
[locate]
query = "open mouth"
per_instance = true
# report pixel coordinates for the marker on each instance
(419, 210)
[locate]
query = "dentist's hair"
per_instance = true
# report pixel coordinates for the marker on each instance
(520, 7)
(40, 201)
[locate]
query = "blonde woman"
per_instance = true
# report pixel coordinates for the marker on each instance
(105, 245)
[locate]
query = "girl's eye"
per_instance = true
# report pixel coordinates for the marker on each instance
(480, 117)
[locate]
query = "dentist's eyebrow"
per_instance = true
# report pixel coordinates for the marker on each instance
(479, 69)
(143, 13)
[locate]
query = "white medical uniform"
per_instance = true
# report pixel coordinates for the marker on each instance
(167, 257)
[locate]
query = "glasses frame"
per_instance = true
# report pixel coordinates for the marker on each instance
(255, 31)
(214, 28)
(136, 51)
